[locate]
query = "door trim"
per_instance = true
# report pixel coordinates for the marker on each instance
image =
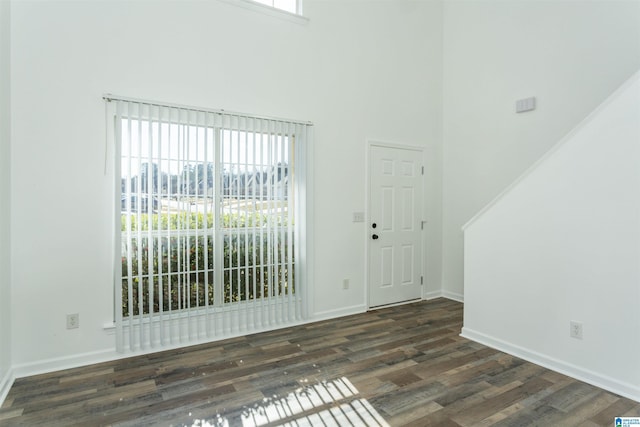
(373, 142)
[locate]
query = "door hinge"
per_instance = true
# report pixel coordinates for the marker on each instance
(422, 170)
(422, 280)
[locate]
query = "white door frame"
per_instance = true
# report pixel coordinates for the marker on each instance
(367, 229)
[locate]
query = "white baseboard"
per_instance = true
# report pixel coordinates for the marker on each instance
(5, 385)
(340, 312)
(68, 362)
(444, 294)
(432, 295)
(631, 391)
(453, 295)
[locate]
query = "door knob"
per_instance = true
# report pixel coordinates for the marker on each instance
(374, 237)
(374, 225)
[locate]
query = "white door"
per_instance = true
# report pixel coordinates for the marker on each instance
(395, 225)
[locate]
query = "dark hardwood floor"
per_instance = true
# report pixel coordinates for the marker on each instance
(397, 366)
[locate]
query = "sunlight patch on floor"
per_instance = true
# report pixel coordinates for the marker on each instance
(328, 403)
(355, 413)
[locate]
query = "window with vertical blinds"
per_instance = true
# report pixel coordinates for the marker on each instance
(210, 226)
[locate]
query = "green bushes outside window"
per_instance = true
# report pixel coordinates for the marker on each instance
(177, 260)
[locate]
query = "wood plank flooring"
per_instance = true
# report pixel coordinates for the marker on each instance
(399, 366)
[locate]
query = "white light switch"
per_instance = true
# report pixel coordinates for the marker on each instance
(526, 104)
(358, 217)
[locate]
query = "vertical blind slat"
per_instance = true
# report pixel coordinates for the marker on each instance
(262, 237)
(129, 235)
(272, 224)
(290, 231)
(191, 186)
(280, 230)
(170, 192)
(206, 240)
(235, 243)
(118, 228)
(150, 241)
(160, 187)
(219, 239)
(226, 182)
(256, 168)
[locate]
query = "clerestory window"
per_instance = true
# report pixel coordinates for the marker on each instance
(292, 6)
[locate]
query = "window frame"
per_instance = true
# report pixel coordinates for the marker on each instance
(293, 132)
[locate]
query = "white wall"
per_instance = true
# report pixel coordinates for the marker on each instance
(563, 244)
(379, 70)
(358, 70)
(569, 54)
(5, 196)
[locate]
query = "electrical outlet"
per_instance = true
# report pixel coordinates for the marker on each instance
(73, 321)
(575, 329)
(345, 284)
